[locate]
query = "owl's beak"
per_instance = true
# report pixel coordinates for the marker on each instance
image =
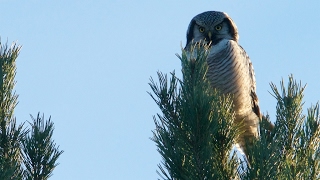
(209, 35)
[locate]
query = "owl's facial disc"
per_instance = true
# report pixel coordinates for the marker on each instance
(211, 35)
(203, 34)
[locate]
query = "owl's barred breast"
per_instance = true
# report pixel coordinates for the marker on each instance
(229, 71)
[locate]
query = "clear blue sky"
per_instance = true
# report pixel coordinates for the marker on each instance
(88, 63)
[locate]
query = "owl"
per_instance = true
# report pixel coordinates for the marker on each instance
(229, 68)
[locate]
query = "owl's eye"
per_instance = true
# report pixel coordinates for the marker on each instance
(201, 29)
(218, 27)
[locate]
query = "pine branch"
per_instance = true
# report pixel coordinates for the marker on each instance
(10, 134)
(195, 132)
(40, 151)
(22, 156)
(291, 149)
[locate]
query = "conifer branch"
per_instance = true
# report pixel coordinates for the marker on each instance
(21, 156)
(39, 150)
(10, 134)
(195, 131)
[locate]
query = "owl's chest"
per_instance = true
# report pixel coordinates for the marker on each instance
(227, 67)
(228, 71)
(230, 76)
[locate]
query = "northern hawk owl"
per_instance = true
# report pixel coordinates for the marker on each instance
(229, 68)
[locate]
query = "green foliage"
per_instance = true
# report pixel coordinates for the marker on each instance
(291, 150)
(40, 151)
(10, 134)
(195, 132)
(297, 136)
(21, 155)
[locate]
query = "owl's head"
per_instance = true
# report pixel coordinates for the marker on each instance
(211, 26)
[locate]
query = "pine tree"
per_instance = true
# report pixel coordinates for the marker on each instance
(21, 148)
(10, 135)
(195, 132)
(39, 150)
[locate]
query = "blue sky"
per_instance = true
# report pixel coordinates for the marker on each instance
(88, 64)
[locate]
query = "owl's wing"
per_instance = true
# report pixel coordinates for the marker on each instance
(255, 101)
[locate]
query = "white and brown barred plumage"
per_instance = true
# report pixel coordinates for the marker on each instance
(230, 69)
